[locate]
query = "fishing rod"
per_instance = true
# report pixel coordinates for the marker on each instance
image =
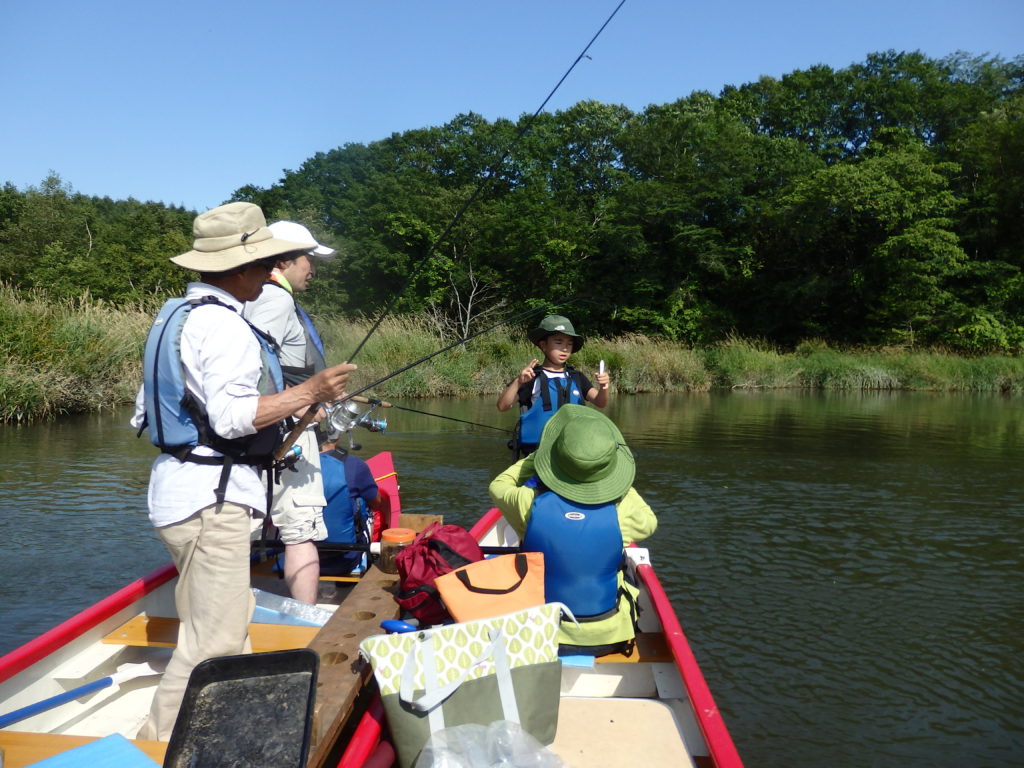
(275, 545)
(310, 414)
(488, 175)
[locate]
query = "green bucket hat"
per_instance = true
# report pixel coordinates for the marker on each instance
(583, 457)
(555, 324)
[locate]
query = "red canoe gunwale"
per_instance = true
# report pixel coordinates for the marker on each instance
(56, 638)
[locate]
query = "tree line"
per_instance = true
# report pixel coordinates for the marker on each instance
(879, 204)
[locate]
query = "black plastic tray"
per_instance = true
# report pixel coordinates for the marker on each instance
(250, 710)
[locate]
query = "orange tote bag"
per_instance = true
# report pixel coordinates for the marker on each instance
(493, 587)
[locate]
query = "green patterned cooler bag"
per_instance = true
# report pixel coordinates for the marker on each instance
(503, 668)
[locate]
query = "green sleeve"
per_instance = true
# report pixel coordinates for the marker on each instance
(636, 518)
(511, 497)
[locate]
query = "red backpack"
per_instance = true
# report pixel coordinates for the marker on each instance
(435, 551)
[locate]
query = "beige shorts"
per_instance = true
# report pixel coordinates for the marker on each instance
(298, 508)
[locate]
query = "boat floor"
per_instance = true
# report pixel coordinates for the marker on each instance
(618, 711)
(612, 732)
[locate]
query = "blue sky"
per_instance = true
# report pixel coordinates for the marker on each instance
(183, 102)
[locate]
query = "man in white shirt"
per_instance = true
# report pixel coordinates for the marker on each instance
(205, 487)
(299, 495)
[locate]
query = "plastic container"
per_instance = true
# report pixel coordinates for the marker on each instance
(392, 541)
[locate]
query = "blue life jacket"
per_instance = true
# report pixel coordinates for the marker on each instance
(344, 517)
(314, 357)
(582, 546)
(554, 393)
(177, 421)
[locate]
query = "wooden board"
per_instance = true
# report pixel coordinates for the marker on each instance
(418, 522)
(342, 672)
(162, 632)
(610, 732)
(21, 748)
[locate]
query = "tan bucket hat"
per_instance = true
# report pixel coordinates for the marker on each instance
(230, 236)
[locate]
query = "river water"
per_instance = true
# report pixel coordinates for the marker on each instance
(847, 567)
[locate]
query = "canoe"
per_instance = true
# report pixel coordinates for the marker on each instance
(654, 707)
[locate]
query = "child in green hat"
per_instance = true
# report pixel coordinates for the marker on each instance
(542, 388)
(573, 500)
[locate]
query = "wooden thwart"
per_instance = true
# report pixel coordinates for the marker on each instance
(162, 632)
(418, 522)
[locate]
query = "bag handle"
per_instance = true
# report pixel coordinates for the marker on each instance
(435, 695)
(521, 569)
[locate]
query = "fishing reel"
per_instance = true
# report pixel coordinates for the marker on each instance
(345, 416)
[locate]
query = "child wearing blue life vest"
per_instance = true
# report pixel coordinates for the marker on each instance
(541, 389)
(573, 500)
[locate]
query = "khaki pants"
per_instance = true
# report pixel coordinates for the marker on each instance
(213, 599)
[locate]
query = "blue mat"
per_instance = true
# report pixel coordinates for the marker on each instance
(113, 751)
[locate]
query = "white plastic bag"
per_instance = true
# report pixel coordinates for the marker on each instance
(502, 744)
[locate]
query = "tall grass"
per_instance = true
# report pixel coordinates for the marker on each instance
(84, 355)
(66, 356)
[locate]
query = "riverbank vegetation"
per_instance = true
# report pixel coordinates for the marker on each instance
(831, 228)
(874, 205)
(78, 355)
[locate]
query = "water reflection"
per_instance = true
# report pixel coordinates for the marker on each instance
(846, 566)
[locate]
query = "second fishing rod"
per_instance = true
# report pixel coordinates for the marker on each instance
(310, 414)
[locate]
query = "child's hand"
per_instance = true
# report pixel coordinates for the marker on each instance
(528, 374)
(602, 379)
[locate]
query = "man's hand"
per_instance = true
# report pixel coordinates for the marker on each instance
(329, 384)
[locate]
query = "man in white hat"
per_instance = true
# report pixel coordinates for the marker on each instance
(299, 494)
(213, 399)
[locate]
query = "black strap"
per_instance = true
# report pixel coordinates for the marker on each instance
(222, 485)
(522, 567)
(605, 614)
(563, 385)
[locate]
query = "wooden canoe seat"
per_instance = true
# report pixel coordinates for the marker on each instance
(24, 748)
(265, 569)
(160, 631)
(650, 646)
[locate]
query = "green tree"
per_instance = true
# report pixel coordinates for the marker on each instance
(862, 250)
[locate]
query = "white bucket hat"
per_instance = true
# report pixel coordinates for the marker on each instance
(296, 233)
(231, 236)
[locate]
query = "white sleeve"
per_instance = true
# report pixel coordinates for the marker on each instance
(140, 408)
(223, 365)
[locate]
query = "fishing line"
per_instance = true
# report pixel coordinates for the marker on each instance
(489, 174)
(386, 404)
(452, 418)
